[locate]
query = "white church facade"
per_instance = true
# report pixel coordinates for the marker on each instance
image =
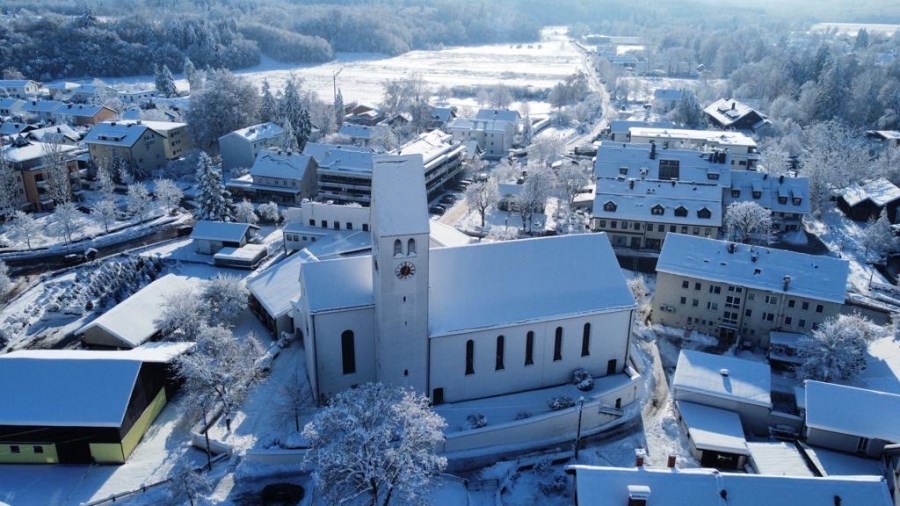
(464, 322)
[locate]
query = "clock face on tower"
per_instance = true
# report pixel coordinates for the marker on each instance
(405, 270)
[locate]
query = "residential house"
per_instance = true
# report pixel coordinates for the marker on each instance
(653, 161)
(239, 148)
(665, 99)
(20, 88)
(730, 114)
(645, 486)
(440, 117)
(494, 136)
(134, 143)
(741, 291)
(279, 176)
(787, 197)
(41, 110)
(11, 129)
(61, 91)
(345, 172)
(134, 321)
(11, 106)
(82, 407)
(638, 213)
(889, 138)
(499, 114)
(92, 93)
(211, 236)
(867, 201)
(138, 96)
(442, 156)
(28, 158)
(176, 140)
(726, 383)
(84, 114)
(60, 134)
(743, 149)
(849, 419)
(618, 129)
(361, 135)
(361, 114)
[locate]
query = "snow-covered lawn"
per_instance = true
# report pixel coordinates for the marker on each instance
(844, 237)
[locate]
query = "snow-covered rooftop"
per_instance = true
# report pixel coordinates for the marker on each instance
(258, 132)
(774, 270)
(713, 429)
(707, 487)
(633, 160)
(399, 202)
(15, 83)
(724, 377)
(338, 243)
(495, 284)
(280, 164)
(160, 127)
(434, 147)
(880, 191)
(115, 133)
(357, 131)
(729, 111)
(667, 94)
(220, 231)
(32, 151)
(639, 199)
(622, 125)
(42, 106)
(277, 286)
(159, 352)
(10, 128)
(780, 194)
(54, 133)
(443, 235)
(863, 413)
(711, 138)
(132, 321)
(338, 284)
(778, 459)
(6, 103)
(246, 253)
(500, 114)
(488, 125)
(80, 110)
(341, 158)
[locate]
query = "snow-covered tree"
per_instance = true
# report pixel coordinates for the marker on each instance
(225, 297)
(269, 212)
(245, 213)
(688, 111)
(188, 484)
(194, 77)
(65, 221)
(104, 213)
(268, 106)
(536, 189)
(165, 81)
(642, 296)
(501, 97)
(23, 228)
(12, 193)
(836, 350)
(747, 220)
(106, 178)
(290, 138)
(139, 201)
(339, 108)
(376, 441)
(481, 196)
(219, 368)
(213, 200)
(54, 160)
(546, 149)
(6, 284)
(182, 315)
(294, 397)
(383, 138)
(878, 236)
(167, 193)
(569, 179)
(226, 103)
(527, 130)
(303, 130)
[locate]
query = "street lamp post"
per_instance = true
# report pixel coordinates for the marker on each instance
(578, 433)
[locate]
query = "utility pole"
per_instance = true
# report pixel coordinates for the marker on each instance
(578, 433)
(334, 76)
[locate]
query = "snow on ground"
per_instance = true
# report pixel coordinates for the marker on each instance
(642, 88)
(844, 237)
(882, 366)
(538, 65)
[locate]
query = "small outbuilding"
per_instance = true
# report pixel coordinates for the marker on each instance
(715, 435)
(864, 202)
(82, 407)
(211, 236)
(850, 419)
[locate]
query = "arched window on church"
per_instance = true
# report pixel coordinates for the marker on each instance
(498, 366)
(557, 344)
(411, 247)
(348, 352)
(586, 340)
(470, 357)
(398, 248)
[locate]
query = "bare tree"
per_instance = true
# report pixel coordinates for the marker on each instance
(183, 315)
(570, 178)
(105, 213)
(376, 441)
(535, 191)
(225, 297)
(168, 193)
(139, 201)
(501, 98)
(65, 222)
(188, 483)
(295, 396)
(24, 227)
(483, 195)
(59, 188)
(747, 221)
(546, 149)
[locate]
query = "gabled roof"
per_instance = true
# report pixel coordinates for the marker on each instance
(812, 276)
(604, 486)
(723, 377)
(11, 103)
(158, 352)
(341, 158)
(442, 114)
(480, 286)
(357, 131)
(727, 112)
(860, 412)
(694, 166)
(622, 125)
(10, 128)
(280, 164)
(32, 151)
(116, 133)
(495, 114)
(338, 284)
(161, 127)
(667, 94)
(880, 192)
(41, 106)
(221, 231)
(713, 429)
(635, 199)
(81, 110)
(487, 125)
(770, 188)
(278, 285)
(15, 83)
(435, 147)
(709, 138)
(267, 130)
(54, 133)
(399, 201)
(133, 321)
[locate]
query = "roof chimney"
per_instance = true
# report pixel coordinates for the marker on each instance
(652, 150)
(732, 105)
(723, 372)
(639, 456)
(671, 462)
(731, 247)
(787, 282)
(781, 179)
(638, 495)
(631, 184)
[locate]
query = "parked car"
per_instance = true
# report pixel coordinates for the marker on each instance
(437, 209)
(448, 199)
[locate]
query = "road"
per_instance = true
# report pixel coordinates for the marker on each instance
(600, 89)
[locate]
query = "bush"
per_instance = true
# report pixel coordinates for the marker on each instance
(560, 402)
(476, 421)
(582, 380)
(521, 415)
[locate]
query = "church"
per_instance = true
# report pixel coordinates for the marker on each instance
(464, 322)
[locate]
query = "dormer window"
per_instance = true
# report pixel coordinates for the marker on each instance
(735, 194)
(704, 213)
(797, 201)
(623, 171)
(757, 194)
(782, 200)
(681, 211)
(712, 175)
(609, 207)
(658, 210)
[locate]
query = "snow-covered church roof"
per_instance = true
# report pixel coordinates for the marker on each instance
(486, 285)
(774, 270)
(338, 284)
